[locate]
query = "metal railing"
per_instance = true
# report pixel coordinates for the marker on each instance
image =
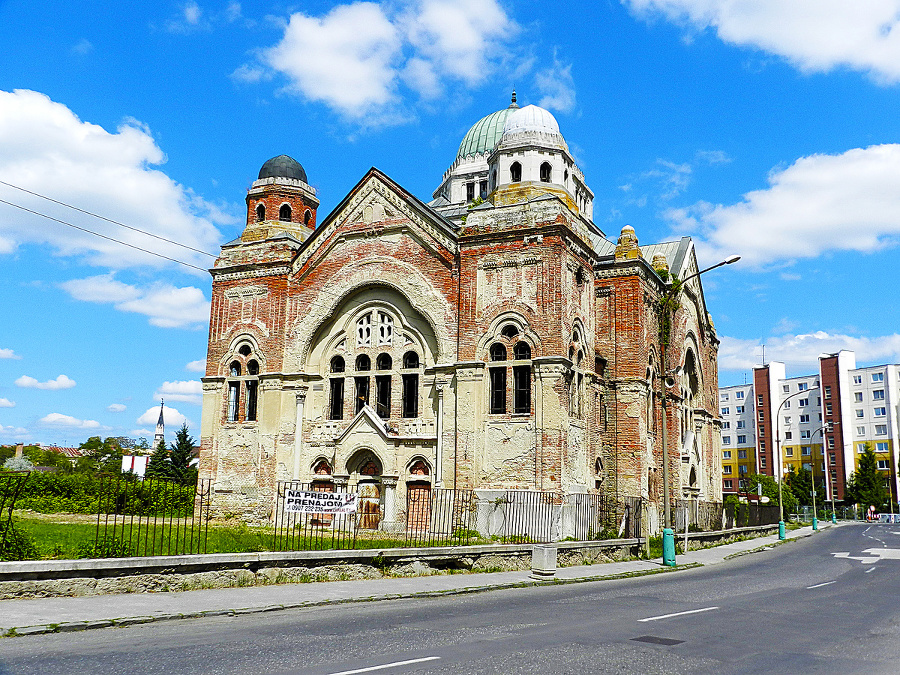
(701, 516)
(750, 515)
(315, 531)
(151, 517)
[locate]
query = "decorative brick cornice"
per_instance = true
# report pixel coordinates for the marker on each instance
(251, 273)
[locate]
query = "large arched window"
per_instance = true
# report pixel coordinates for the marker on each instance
(383, 364)
(242, 386)
(284, 213)
(336, 389)
(410, 384)
(515, 172)
(499, 374)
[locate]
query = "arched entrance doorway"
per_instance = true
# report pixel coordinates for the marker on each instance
(365, 468)
(418, 496)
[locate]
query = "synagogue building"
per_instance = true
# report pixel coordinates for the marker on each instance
(490, 338)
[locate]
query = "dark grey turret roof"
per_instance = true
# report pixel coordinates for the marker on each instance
(283, 167)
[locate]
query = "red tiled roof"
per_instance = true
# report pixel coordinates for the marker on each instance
(73, 453)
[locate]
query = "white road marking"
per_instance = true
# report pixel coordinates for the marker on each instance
(388, 665)
(827, 583)
(871, 569)
(669, 616)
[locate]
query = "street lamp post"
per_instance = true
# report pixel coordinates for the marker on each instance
(670, 297)
(781, 533)
(821, 430)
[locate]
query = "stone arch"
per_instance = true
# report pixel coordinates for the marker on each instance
(366, 467)
(494, 333)
(233, 353)
(428, 305)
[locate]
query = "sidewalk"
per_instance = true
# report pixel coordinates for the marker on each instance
(33, 617)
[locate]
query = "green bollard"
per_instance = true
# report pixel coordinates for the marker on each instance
(668, 547)
(815, 523)
(833, 519)
(781, 529)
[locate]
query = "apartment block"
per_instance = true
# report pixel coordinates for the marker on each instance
(820, 422)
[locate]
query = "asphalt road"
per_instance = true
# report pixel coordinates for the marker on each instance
(826, 604)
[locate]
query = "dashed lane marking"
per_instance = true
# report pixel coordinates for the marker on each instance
(669, 616)
(826, 583)
(384, 666)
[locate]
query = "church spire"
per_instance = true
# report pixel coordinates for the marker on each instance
(160, 427)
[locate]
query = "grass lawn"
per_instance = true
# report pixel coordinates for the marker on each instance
(69, 536)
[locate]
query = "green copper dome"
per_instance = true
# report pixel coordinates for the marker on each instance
(486, 132)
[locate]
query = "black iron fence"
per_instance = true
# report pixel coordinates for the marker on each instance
(745, 514)
(151, 517)
(11, 485)
(447, 517)
(698, 516)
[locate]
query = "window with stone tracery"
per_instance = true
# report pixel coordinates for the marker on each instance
(381, 372)
(385, 329)
(242, 386)
(364, 331)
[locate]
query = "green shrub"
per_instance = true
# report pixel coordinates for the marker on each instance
(109, 547)
(18, 545)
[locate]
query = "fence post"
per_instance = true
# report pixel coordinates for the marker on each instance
(543, 562)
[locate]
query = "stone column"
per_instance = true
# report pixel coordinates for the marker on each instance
(298, 431)
(551, 421)
(439, 443)
(390, 523)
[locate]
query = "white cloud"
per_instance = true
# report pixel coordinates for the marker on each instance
(196, 366)
(355, 57)
(167, 306)
(60, 420)
(556, 86)
(347, 58)
(849, 201)
(458, 37)
(171, 417)
(6, 403)
(116, 408)
(190, 391)
(46, 148)
(6, 353)
(82, 47)
(802, 351)
(18, 433)
(61, 382)
(814, 35)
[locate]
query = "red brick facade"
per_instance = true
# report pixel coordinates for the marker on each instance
(520, 350)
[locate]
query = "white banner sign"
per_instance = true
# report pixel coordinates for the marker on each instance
(299, 501)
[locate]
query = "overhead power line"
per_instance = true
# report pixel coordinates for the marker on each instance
(109, 220)
(102, 236)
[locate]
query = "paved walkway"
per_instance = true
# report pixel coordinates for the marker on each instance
(36, 616)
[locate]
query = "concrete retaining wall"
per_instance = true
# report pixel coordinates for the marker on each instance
(53, 578)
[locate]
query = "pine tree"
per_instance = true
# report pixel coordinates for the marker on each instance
(159, 465)
(181, 456)
(866, 484)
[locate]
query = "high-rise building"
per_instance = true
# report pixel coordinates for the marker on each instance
(820, 422)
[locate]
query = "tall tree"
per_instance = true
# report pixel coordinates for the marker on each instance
(105, 456)
(181, 456)
(866, 484)
(800, 482)
(159, 466)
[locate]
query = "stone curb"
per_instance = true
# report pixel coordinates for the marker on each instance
(135, 620)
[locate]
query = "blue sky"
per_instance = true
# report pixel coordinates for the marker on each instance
(763, 128)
